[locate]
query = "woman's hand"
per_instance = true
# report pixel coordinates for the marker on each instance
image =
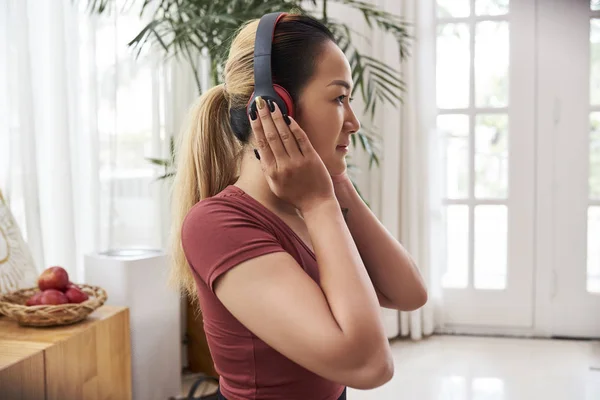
(292, 167)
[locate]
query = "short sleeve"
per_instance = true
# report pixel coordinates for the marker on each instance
(216, 237)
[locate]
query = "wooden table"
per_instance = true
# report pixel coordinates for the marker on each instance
(87, 360)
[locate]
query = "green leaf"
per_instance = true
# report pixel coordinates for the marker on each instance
(159, 161)
(99, 6)
(165, 176)
(380, 66)
(390, 83)
(360, 194)
(172, 149)
(365, 143)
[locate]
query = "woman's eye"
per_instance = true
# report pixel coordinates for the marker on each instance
(342, 98)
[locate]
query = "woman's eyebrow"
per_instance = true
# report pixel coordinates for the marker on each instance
(340, 82)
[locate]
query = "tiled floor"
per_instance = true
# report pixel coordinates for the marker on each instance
(488, 368)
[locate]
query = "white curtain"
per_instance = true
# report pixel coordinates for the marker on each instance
(79, 115)
(408, 201)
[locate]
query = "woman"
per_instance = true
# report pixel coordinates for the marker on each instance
(289, 266)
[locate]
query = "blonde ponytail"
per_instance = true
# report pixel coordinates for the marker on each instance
(207, 162)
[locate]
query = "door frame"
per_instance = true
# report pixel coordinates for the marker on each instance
(562, 113)
(487, 311)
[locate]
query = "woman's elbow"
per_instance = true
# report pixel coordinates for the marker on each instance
(417, 300)
(421, 297)
(375, 374)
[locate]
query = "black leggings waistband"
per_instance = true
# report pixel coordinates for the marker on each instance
(221, 397)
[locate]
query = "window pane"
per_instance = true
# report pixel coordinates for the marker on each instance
(457, 247)
(455, 137)
(491, 64)
(491, 7)
(126, 91)
(593, 250)
(594, 178)
(595, 4)
(595, 61)
(453, 66)
(491, 156)
(453, 8)
(490, 247)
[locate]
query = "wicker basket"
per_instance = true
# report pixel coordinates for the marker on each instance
(13, 306)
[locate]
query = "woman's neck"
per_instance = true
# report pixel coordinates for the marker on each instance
(252, 180)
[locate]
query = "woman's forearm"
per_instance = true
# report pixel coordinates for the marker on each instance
(390, 267)
(343, 278)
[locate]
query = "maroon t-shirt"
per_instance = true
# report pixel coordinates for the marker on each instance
(219, 233)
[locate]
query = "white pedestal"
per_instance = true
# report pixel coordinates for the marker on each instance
(137, 279)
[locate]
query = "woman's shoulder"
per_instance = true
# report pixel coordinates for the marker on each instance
(220, 232)
(224, 210)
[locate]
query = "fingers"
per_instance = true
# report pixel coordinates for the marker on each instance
(266, 155)
(277, 140)
(287, 137)
(271, 134)
(302, 141)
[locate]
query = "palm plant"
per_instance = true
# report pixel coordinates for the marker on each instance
(187, 28)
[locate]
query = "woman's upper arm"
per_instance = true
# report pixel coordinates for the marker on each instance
(275, 299)
(268, 292)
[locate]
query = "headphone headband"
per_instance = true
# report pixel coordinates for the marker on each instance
(263, 76)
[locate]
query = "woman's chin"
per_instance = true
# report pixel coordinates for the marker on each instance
(337, 168)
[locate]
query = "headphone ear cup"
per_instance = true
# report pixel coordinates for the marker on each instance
(283, 96)
(287, 99)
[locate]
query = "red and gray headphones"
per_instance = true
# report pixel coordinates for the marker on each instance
(263, 78)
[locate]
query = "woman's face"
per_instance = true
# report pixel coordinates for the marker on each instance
(324, 111)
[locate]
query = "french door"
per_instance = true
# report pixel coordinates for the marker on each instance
(569, 164)
(518, 96)
(485, 97)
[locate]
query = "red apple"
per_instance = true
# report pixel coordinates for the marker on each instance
(54, 297)
(53, 278)
(34, 300)
(76, 295)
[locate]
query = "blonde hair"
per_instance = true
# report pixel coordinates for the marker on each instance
(210, 148)
(208, 153)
